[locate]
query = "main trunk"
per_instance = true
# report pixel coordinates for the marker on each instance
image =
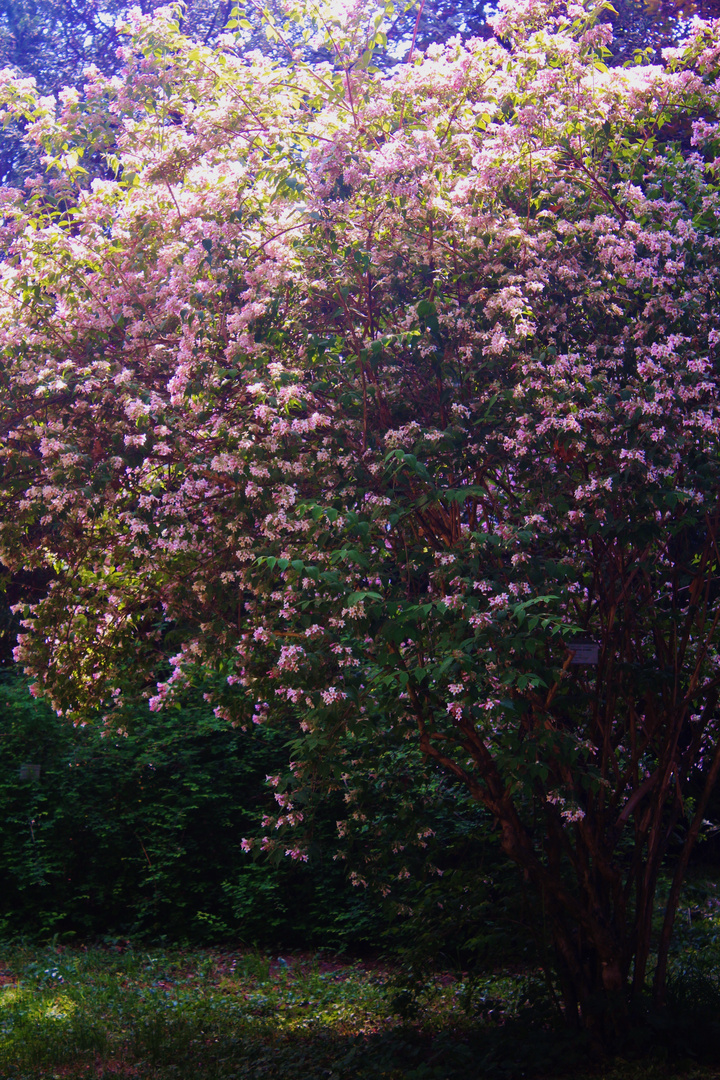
(593, 936)
(593, 980)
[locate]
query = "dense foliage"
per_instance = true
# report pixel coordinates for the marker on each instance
(55, 41)
(376, 395)
(139, 835)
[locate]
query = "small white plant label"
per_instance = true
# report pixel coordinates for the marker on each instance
(585, 652)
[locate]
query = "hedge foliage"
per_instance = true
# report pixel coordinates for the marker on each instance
(140, 834)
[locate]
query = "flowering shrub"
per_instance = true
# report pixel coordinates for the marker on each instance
(386, 394)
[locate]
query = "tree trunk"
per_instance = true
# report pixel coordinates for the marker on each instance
(660, 978)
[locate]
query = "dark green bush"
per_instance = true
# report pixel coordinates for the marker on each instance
(139, 834)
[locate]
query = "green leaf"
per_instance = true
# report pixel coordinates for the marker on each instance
(358, 597)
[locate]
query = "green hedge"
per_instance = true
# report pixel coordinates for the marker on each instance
(140, 835)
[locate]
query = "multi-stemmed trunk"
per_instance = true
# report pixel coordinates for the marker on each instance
(600, 904)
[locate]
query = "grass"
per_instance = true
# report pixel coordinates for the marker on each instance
(211, 1015)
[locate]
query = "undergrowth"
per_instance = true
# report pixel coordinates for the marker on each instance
(210, 1015)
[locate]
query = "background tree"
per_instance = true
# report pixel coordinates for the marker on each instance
(383, 393)
(55, 41)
